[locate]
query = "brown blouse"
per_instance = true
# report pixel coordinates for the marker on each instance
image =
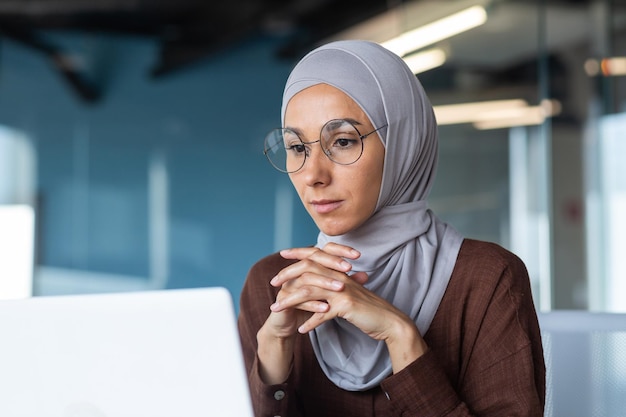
(485, 356)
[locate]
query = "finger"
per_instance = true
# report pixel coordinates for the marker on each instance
(314, 321)
(321, 278)
(314, 306)
(299, 298)
(319, 256)
(310, 272)
(331, 248)
(344, 251)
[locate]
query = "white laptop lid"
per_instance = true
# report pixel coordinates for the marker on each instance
(142, 354)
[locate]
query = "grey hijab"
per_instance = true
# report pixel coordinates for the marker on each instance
(406, 250)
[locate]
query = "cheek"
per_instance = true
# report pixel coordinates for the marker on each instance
(372, 183)
(373, 190)
(366, 189)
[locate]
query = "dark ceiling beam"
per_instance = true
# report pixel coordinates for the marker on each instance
(187, 30)
(75, 77)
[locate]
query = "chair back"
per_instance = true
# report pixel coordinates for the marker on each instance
(585, 354)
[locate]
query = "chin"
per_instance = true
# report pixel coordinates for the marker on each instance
(333, 230)
(331, 233)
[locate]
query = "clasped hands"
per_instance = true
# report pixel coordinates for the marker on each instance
(319, 288)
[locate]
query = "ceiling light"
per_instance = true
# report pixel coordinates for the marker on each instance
(497, 114)
(608, 67)
(436, 31)
(470, 112)
(523, 116)
(413, 25)
(426, 60)
(613, 66)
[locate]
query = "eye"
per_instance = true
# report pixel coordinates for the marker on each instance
(296, 149)
(293, 144)
(339, 141)
(344, 142)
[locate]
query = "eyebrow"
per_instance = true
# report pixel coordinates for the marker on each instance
(347, 119)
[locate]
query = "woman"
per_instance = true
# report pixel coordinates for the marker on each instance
(392, 313)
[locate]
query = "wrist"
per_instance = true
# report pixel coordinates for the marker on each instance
(275, 355)
(405, 344)
(270, 331)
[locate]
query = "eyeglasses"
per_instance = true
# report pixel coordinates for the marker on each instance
(340, 140)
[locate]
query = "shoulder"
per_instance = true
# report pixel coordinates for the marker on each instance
(489, 298)
(485, 255)
(485, 331)
(486, 273)
(481, 263)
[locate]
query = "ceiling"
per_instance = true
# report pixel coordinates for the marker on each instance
(188, 30)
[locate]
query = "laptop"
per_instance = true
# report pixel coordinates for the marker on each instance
(168, 353)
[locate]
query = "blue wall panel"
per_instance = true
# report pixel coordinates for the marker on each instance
(206, 124)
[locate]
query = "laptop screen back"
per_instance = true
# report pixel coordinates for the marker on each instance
(160, 353)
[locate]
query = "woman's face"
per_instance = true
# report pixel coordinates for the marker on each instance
(339, 198)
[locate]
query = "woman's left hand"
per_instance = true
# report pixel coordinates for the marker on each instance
(375, 316)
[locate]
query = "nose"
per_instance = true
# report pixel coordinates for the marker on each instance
(317, 167)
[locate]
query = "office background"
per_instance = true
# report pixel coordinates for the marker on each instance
(159, 181)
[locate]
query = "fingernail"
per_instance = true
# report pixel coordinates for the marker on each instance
(337, 284)
(346, 265)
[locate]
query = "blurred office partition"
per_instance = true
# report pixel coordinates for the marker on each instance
(17, 232)
(17, 215)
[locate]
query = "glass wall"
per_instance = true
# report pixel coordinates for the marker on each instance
(162, 182)
(549, 189)
(604, 149)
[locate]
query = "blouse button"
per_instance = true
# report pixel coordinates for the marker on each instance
(279, 395)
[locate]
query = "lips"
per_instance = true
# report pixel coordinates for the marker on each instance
(325, 206)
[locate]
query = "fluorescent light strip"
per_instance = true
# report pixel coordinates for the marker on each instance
(424, 61)
(436, 31)
(497, 114)
(526, 116)
(470, 112)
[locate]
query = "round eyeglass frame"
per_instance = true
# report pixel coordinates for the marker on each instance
(266, 148)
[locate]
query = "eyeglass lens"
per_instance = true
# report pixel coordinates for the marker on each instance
(339, 139)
